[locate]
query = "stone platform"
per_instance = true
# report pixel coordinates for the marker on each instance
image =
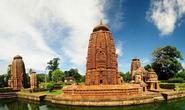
(99, 92)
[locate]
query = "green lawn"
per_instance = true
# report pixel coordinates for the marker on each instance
(54, 92)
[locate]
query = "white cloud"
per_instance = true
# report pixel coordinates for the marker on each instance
(119, 48)
(29, 28)
(165, 14)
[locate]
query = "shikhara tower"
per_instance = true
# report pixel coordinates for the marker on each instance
(102, 66)
(17, 73)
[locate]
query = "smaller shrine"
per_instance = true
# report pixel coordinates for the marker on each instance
(33, 80)
(152, 80)
(148, 80)
(17, 71)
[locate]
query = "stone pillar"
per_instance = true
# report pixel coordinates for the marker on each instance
(17, 72)
(33, 80)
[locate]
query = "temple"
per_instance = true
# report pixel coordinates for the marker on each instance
(102, 66)
(102, 81)
(148, 80)
(17, 72)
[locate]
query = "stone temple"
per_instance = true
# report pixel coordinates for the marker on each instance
(102, 80)
(148, 80)
(102, 66)
(17, 72)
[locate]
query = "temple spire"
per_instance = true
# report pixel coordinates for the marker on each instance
(101, 21)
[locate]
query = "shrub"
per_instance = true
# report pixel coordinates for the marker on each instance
(57, 86)
(50, 87)
(176, 80)
(43, 85)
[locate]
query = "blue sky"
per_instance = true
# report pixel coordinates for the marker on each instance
(138, 34)
(43, 30)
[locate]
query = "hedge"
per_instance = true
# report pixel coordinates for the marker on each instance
(176, 80)
(6, 89)
(167, 85)
(175, 86)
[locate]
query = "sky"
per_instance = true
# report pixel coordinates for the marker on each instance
(40, 30)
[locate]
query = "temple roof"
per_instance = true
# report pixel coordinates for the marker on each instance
(101, 26)
(17, 57)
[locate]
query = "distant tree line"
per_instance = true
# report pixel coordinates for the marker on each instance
(56, 74)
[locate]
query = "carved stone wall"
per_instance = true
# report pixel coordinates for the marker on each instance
(101, 67)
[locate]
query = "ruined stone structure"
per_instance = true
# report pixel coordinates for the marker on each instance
(101, 67)
(17, 72)
(33, 80)
(147, 79)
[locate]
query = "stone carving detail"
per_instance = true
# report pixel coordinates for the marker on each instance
(101, 58)
(33, 80)
(17, 72)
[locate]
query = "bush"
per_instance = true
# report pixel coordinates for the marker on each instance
(167, 85)
(180, 74)
(176, 80)
(2, 90)
(50, 87)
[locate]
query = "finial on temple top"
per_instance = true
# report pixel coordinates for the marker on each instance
(101, 21)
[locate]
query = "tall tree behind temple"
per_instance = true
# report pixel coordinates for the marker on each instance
(26, 81)
(148, 67)
(52, 65)
(74, 73)
(166, 62)
(126, 76)
(2, 81)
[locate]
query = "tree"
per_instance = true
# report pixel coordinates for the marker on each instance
(180, 74)
(166, 62)
(52, 65)
(57, 75)
(26, 80)
(41, 78)
(148, 67)
(74, 73)
(7, 76)
(30, 71)
(126, 76)
(2, 80)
